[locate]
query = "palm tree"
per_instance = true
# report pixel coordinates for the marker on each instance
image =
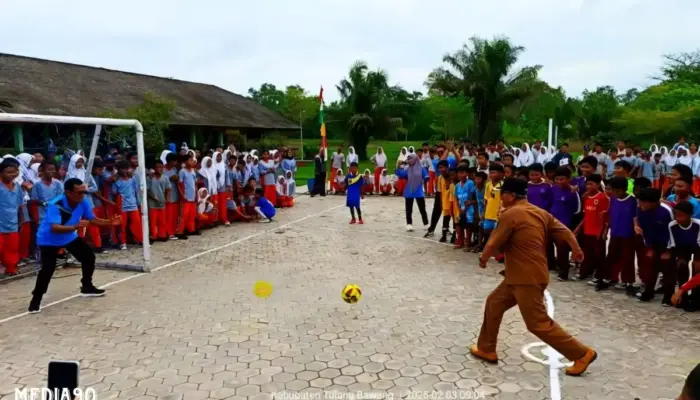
(369, 102)
(482, 74)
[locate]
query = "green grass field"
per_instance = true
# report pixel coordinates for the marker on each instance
(392, 150)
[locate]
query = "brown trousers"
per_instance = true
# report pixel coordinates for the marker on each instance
(530, 300)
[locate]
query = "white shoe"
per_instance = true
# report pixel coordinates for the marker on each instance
(409, 228)
(173, 237)
(122, 247)
(227, 223)
(265, 221)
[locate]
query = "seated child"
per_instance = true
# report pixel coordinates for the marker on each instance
(206, 212)
(291, 188)
(247, 198)
(401, 181)
(282, 196)
(338, 185)
(263, 207)
(368, 184)
(384, 184)
(236, 213)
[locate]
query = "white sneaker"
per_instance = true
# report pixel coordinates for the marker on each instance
(409, 228)
(173, 237)
(122, 247)
(227, 223)
(265, 221)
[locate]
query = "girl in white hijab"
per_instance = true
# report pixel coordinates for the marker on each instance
(683, 157)
(411, 150)
(25, 161)
(221, 198)
(76, 168)
(208, 172)
(379, 159)
(384, 183)
(525, 157)
(352, 157)
(402, 156)
(205, 208)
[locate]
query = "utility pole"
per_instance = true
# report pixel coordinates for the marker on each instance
(301, 132)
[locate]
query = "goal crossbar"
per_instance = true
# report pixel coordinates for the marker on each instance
(99, 122)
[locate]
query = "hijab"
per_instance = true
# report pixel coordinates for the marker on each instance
(164, 155)
(411, 150)
(403, 154)
(415, 173)
(671, 159)
(525, 157)
(74, 172)
(291, 184)
(380, 158)
(35, 169)
(339, 175)
(686, 159)
(210, 174)
(204, 205)
(352, 156)
(516, 158)
(25, 160)
(220, 167)
(383, 178)
(281, 185)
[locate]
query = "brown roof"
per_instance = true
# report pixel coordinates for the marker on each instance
(36, 86)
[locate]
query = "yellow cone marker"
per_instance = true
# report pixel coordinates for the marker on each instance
(262, 289)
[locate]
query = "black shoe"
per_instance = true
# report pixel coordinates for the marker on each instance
(666, 302)
(34, 305)
(630, 290)
(91, 291)
(196, 233)
(646, 296)
(100, 250)
(602, 285)
(443, 238)
(453, 239)
(562, 278)
(181, 237)
(429, 234)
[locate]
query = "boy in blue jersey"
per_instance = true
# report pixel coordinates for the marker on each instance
(263, 207)
(353, 183)
(480, 178)
(464, 192)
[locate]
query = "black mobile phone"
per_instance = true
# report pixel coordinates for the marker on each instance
(63, 375)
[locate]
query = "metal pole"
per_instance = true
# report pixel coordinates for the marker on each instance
(556, 136)
(144, 198)
(93, 148)
(549, 134)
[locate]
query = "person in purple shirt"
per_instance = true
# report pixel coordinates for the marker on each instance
(539, 191)
(620, 259)
(651, 222)
(684, 244)
(565, 205)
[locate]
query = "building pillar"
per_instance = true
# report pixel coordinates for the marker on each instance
(193, 140)
(18, 136)
(221, 139)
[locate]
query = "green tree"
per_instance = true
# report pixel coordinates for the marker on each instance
(154, 114)
(452, 116)
(269, 96)
(370, 104)
(298, 105)
(484, 74)
(598, 110)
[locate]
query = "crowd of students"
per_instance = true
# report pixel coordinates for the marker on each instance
(633, 211)
(185, 194)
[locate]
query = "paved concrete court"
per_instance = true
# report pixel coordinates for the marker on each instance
(194, 330)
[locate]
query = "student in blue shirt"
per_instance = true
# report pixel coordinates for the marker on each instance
(45, 190)
(187, 187)
(11, 204)
(127, 188)
(264, 208)
(65, 215)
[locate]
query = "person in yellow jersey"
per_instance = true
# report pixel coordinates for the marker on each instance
(492, 199)
(443, 184)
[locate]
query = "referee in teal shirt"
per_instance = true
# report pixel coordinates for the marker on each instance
(64, 216)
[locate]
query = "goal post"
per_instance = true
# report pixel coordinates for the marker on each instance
(98, 123)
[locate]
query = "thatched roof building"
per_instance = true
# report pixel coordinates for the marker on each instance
(36, 86)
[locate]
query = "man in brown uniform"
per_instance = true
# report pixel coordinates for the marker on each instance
(522, 234)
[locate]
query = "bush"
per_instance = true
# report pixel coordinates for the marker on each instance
(272, 141)
(310, 152)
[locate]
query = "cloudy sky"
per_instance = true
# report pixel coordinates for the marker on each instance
(237, 44)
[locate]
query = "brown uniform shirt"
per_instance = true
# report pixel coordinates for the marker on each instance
(522, 233)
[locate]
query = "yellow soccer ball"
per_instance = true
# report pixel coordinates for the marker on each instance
(351, 293)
